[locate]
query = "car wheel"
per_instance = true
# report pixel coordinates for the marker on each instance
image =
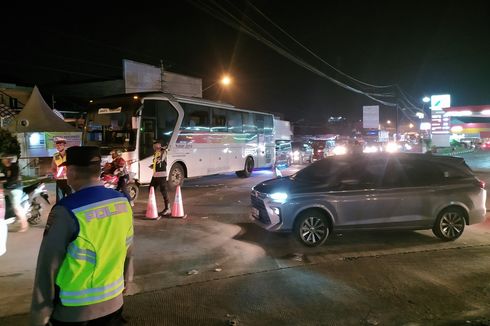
(176, 176)
(450, 224)
(312, 228)
(247, 171)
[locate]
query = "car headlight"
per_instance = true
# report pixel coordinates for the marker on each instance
(340, 150)
(279, 197)
(370, 149)
(392, 147)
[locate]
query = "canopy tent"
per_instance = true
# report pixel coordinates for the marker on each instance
(36, 126)
(37, 116)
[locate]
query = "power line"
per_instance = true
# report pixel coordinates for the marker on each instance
(281, 51)
(314, 54)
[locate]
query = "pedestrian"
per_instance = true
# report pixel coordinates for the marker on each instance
(84, 262)
(58, 170)
(12, 186)
(159, 178)
(119, 168)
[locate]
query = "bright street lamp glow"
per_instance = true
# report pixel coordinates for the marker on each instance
(426, 99)
(226, 80)
(410, 125)
(388, 121)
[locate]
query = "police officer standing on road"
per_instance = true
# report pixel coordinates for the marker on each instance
(59, 171)
(84, 262)
(159, 178)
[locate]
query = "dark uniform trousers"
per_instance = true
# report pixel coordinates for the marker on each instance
(161, 182)
(62, 189)
(114, 319)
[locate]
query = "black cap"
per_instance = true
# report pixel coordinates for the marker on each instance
(83, 156)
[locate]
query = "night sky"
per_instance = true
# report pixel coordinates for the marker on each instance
(425, 48)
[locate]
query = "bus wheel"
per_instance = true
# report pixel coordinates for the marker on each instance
(176, 176)
(247, 171)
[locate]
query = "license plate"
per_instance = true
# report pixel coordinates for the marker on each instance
(255, 212)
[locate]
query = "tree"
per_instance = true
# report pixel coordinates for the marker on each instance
(9, 143)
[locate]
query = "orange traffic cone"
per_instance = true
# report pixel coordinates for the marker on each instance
(178, 207)
(151, 208)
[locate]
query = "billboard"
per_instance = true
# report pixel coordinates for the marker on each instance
(141, 77)
(370, 116)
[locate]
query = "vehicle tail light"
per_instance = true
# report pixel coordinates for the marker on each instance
(481, 183)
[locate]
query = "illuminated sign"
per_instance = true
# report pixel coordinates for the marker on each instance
(425, 126)
(439, 102)
(370, 117)
(109, 110)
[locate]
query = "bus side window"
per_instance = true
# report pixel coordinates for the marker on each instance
(235, 123)
(249, 126)
(166, 120)
(259, 122)
(219, 121)
(146, 137)
(196, 118)
(268, 125)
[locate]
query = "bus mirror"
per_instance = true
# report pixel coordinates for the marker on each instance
(134, 122)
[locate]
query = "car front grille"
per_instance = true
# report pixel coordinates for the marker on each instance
(258, 203)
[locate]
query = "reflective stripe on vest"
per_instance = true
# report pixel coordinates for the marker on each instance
(60, 170)
(93, 268)
(156, 158)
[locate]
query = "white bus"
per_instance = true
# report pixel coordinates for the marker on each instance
(203, 137)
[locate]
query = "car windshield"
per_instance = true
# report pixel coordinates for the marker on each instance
(322, 171)
(109, 125)
(299, 146)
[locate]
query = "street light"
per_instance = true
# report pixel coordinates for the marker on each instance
(388, 121)
(426, 99)
(225, 81)
(410, 125)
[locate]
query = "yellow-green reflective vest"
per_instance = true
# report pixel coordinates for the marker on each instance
(93, 268)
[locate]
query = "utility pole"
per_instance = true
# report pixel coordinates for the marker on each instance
(162, 71)
(396, 123)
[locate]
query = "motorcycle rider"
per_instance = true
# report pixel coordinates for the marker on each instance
(59, 171)
(118, 168)
(13, 189)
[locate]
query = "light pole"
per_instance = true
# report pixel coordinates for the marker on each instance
(425, 100)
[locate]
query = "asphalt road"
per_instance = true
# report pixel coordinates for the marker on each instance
(216, 267)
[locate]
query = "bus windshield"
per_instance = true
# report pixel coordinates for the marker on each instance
(108, 125)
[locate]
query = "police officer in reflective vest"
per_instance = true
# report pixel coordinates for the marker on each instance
(58, 170)
(159, 178)
(84, 262)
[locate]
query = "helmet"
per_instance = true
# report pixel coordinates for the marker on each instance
(59, 140)
(118, 152)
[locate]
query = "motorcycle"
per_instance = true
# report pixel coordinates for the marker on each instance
(111, 180)
(29, 203)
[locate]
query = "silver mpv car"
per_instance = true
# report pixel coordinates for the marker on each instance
(372, 192)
